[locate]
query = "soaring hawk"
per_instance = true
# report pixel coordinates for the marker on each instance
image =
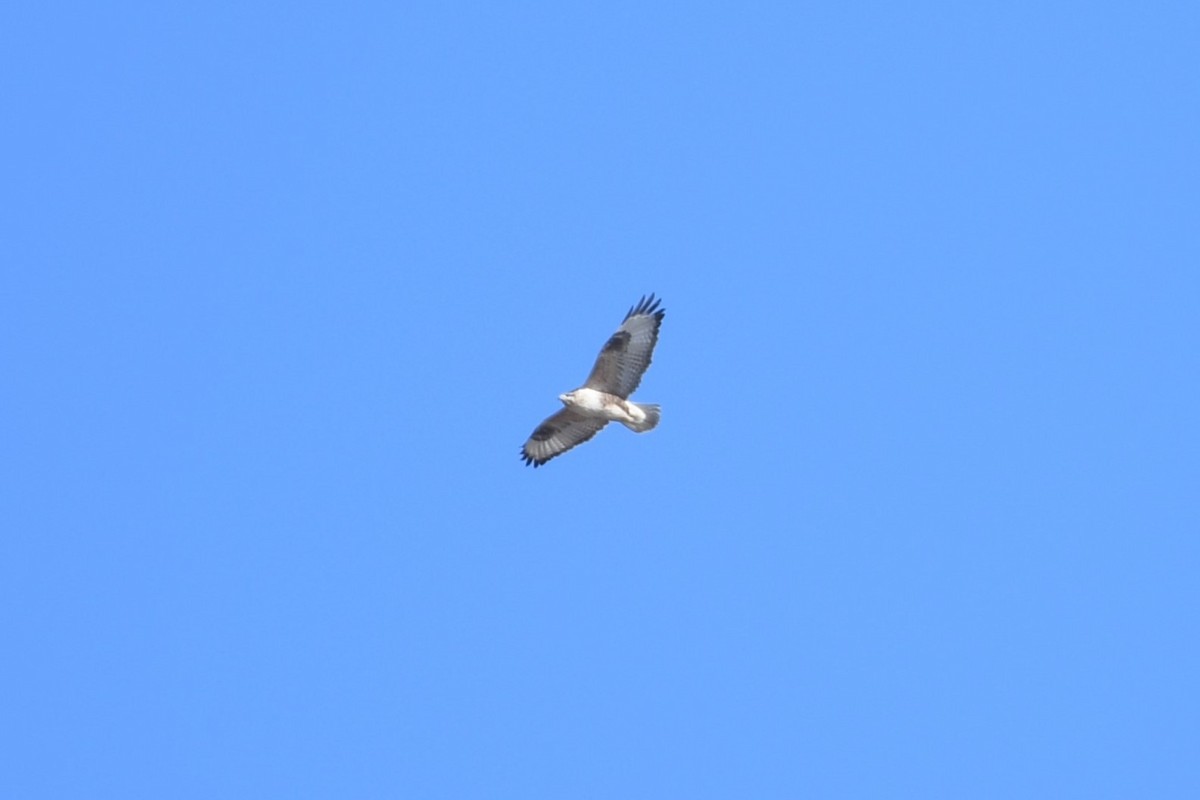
(604, 397)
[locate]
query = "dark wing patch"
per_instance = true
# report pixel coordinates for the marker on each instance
(619, 341)
(544, 432)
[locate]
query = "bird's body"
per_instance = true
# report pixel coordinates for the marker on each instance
(638, 417)
(604, 397)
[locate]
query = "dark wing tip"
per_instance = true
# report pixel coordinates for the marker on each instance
(647, 305)
(530, 460)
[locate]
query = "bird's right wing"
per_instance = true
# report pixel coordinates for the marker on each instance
(626, 355)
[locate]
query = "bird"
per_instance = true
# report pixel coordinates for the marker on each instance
(604, 397)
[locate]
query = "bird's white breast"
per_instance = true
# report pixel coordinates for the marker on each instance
(590, 401)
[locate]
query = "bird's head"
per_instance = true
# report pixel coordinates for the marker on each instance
(566, 398)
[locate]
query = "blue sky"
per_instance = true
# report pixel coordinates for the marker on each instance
(287, 285)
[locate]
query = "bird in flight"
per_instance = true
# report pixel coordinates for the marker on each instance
(604, 397)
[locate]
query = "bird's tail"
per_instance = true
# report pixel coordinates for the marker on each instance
(653, 414)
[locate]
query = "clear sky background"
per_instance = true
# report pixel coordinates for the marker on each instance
(285, 287)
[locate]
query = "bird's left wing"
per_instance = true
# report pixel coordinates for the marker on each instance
(558, 434)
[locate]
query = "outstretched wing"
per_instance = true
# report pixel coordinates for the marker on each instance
(558, 434)
(626, 354)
